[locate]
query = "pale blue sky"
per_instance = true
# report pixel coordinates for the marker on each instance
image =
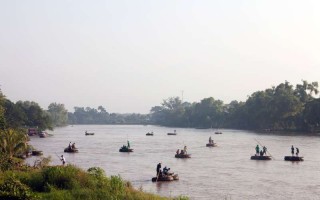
(130, 55)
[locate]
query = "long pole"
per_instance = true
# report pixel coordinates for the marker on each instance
(57, 155)
(262, 145)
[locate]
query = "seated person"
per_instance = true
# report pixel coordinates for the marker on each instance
(166, 170)
(261, 153)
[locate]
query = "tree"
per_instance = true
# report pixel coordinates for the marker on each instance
(2, 111)
(305, 90)
(35, 115)
(58, 114)
(13, 142)
(311, 115)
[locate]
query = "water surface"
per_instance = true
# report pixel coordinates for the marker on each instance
(223, 172)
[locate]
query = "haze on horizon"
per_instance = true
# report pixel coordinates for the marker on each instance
(130, 55)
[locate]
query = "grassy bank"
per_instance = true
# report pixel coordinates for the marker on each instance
(68, 182)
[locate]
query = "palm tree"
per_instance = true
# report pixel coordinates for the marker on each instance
(12, 142)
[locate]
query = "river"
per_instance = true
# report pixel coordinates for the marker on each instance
(223, 172)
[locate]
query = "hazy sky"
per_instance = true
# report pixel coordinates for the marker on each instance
(130, 55)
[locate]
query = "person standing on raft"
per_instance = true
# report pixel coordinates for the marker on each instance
(292, 150)
(257, 150)
(158, 169)
(297, 151)
(264, 150)
(210, 140)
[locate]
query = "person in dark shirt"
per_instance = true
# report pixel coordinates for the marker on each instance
(297, 151)
(158, 169)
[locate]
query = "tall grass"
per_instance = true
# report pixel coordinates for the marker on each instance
(69, 182)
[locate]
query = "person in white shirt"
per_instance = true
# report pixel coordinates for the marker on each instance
(63, 160)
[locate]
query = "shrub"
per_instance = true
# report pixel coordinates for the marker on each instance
(13, 189)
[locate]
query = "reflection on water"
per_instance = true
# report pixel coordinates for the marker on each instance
(223, 172)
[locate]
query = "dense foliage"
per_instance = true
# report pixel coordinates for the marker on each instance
(89, 115)
(69, 182)
(26, 114)
(283, 107)
(58, 114)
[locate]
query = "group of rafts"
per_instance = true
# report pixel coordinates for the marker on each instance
(262, 154)
(165, 175)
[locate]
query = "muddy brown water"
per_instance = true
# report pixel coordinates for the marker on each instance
(222, 172)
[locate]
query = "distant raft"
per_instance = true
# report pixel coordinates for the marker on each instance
(260, 157)
(149, 134)
(43, 134)
(87, 133)
(293, 158)
(172, 177)
(211, 145)
(71, 150)
(174, 133)
(36, 153)
(218, 132)
(125, 149)
(183, 155)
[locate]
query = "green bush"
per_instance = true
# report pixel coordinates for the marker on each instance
(68, 182)
(13, 189)
(62, 177)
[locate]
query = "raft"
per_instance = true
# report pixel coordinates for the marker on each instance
(43, 134)
(174, 133)
(87, 133)
(211, 145)
(260, 157)
(293, 158)
(122, 149)
(183, 155)
(166, 178)
(149, 134)
(217, 132)
(36, 153)
(69, 150)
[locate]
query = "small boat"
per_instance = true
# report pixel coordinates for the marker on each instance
(211, 145)
(71, 150)
(149, 134)
(172, 177)
(36, 153)
(293, 158)
(183, 155)
(43, 134)
(87, 133)
(174, 133)
(125, 149)
(260, 158)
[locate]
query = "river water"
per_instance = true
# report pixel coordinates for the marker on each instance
(223, 172)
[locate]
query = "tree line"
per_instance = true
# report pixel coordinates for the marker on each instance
(30, 114)
(282, 107)
(100, 115)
